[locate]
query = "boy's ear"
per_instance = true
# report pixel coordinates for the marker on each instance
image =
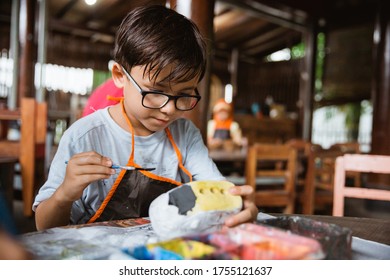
(118, 76)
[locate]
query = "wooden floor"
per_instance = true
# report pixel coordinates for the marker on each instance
(354, 208)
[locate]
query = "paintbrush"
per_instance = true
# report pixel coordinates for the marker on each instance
(117, 166)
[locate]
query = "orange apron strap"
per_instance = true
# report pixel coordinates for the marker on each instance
(107, 198)
(180, 158)
(131, 159)
(114, 98)
(121, 174)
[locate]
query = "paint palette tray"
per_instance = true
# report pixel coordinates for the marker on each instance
(245, 242)
(336, 241)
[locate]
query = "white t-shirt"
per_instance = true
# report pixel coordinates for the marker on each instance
(99, 132)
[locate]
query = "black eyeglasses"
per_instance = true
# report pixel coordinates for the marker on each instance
(156, 100)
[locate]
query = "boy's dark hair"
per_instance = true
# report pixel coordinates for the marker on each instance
(156, 36)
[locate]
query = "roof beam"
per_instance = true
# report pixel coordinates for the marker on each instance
(269, 45)
(293, 18)
(65, 9)
(264, 37)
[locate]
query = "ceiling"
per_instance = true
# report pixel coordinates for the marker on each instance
(236, 25)
(253, 27)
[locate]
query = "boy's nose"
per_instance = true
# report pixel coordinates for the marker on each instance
(169, 108)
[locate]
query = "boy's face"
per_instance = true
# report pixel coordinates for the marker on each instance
(145, 120)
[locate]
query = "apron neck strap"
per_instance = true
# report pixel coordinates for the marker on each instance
(169, 135)
(178, 154)
(131, 159)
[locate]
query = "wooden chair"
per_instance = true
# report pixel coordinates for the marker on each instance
(321, 168)
(320, 179)
(349, 148)
(261, 162)
(362, 164)
(303, 183)
(30, 149)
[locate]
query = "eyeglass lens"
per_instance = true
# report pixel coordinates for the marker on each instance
(156, 100)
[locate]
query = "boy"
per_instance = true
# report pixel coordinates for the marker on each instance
(160, 58)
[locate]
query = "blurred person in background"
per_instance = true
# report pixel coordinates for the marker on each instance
(222, 131)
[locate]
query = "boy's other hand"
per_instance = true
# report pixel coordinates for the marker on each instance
(249, 212)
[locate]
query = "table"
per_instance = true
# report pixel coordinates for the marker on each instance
(102, 240)
(370, 237)
(236, 155)
(377, 230)
(230, 161)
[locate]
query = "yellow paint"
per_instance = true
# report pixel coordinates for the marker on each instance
(188, 249)
(214, 195)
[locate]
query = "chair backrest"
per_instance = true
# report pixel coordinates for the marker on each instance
(301, 145)
(324, 163)
(320, 176)
(358, 163)
(272, 162)
(349, 148)
(303, 149)
(305, 173)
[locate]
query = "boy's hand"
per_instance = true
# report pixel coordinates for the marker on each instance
(249, 213)
(81, 170)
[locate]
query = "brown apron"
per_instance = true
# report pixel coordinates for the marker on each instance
(133, 190)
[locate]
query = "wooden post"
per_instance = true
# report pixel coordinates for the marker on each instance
(27, 48)
(381, 86)
(202, 13)
(306, 84)
(27, 152)
(12, 99)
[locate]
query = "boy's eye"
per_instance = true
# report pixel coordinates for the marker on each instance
(171, 93)
(186, 93)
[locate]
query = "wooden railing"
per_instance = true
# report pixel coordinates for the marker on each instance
(29, 150)
(266, 130)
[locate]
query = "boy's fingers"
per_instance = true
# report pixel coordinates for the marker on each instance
(243, 216)
(241, 190)
(91, 158)
(94, 169)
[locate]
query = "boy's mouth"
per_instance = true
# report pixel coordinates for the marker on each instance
(162, 121)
